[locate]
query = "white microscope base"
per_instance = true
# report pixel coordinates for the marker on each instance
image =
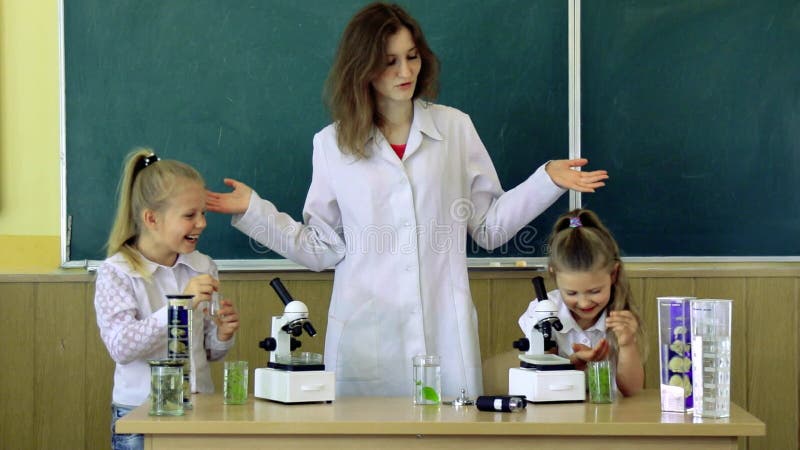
(539, 386)
(294, 386)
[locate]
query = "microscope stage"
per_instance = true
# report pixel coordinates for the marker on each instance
(545, 362)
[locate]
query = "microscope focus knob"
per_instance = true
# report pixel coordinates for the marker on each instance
(522, 344)
(294, 344)
(269, 344)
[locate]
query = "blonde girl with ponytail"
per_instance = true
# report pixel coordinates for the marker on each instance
(594, 297)
(152, 252)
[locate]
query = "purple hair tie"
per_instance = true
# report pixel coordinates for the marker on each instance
(575, 222)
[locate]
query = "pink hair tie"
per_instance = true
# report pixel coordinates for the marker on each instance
(575, 222)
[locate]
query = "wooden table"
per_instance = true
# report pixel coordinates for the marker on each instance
(394, 423)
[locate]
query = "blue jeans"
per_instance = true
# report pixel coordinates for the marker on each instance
(124, 441)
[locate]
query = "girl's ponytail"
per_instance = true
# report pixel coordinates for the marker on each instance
(125, 229)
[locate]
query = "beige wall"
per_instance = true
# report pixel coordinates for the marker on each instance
(29, 135)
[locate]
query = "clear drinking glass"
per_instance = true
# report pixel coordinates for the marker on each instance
(234, 385)
(711, 357)
(600, 376)
(427, 380)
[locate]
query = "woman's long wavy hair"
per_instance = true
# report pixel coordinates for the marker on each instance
(360, 59)
(591, 247)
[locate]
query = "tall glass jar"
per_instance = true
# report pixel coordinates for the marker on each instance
(179, 339)
(166, 387)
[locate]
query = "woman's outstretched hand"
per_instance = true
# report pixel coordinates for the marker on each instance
(234, 202)
(560, 171)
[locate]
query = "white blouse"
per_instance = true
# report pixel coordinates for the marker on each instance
(132, 317)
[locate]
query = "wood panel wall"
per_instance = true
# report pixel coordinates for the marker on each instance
(55, 386)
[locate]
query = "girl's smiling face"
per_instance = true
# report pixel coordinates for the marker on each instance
(177, 228)
(185, 218)
(586, 294)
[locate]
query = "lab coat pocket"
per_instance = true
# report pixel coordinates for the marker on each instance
(356, 341)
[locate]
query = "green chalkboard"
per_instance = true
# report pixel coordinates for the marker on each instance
(233, 87)
(694, 108)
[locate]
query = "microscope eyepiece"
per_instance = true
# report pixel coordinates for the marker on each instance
(538, 286)
(280, 289)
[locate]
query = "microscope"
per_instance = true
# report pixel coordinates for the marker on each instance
(288, 378)
(544, 377)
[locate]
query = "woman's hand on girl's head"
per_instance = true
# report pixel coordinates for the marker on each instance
(201, 286)
(234, 202)
(227, 320)
(560, 171)
(583, 354)
(624, 325)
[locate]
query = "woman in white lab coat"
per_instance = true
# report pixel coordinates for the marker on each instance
(397, 184)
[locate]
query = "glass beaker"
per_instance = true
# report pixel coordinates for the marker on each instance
(711, 357)
(166, 387)
(427, 380)
(234, 385)
(600, 376)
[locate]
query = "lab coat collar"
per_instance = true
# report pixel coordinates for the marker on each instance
(569, 322)
(422, 123)
(423, 120)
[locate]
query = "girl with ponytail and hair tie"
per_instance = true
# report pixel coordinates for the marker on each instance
(594, 299)
(152, 253)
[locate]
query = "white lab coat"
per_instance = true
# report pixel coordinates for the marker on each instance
(395, 231)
